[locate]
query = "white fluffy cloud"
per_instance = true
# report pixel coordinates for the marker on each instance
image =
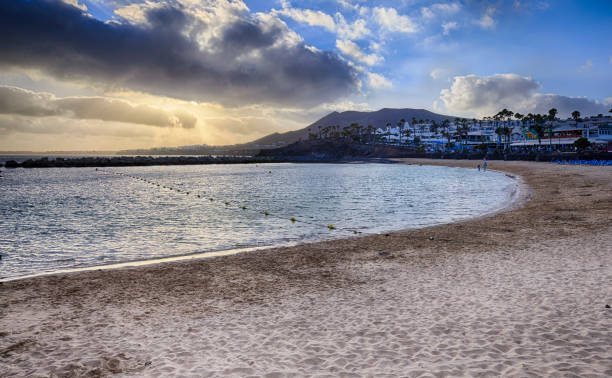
(390, 20)
(485, 96)
(438, 73)
(448, 26)
(487, 21)
(351, 5)
(353, 50)
(378, 81)
(307, 16)
(358, 29)
(440, 8)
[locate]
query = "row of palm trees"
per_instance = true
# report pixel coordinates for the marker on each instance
(539, 124)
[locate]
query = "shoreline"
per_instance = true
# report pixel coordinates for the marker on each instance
(518, 197)
(521, 292)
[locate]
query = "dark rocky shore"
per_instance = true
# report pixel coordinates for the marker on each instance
(129, 161)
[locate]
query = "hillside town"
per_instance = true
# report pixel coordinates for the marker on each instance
(506, 130)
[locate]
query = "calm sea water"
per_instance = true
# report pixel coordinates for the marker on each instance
(60, 218)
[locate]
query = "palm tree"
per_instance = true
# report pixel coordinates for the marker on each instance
(539, 131)
(463, 132)
(368, 130)
(422, 128)
(434, 127)
(324, 132)
(388, 134)
(508, 128)
(445, 132)
(499, 131)
(407, 133)
(538, 128)
(576, 116)
(359, 130)
(400, 126)
(507, 134)
(522, 119)
(552, 113)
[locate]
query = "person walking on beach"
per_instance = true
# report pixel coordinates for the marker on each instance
(484, 166)
(478, 167)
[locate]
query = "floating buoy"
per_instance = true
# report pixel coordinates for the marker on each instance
(266, 213)
(198, 196)
(331, 227)
(211, 199)
(243, 207)
(227, 203)
(293, 219)
(269, 171)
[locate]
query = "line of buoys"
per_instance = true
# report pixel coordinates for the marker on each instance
(227, 203)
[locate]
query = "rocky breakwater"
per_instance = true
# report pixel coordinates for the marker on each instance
(130, 161)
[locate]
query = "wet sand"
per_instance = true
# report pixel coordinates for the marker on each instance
(520, 293)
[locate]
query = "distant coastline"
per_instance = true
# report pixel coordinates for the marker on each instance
(312, 151)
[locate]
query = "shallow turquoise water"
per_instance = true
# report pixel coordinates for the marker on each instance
(69, 217)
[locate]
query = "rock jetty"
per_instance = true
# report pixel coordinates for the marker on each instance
(130, 161)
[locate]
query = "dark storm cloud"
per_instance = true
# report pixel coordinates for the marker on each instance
(248, 62)
(18, 101)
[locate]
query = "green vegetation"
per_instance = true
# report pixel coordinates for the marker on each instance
(582, 143)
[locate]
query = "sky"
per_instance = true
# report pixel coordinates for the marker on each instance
(119, 74)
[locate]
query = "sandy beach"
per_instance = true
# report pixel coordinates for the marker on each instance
(519, 293)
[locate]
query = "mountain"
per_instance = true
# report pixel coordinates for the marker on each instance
(377, 119)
